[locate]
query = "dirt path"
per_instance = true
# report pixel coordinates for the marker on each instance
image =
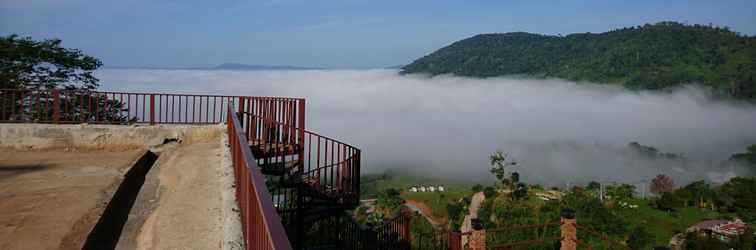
(426, 212)
(475, 203)
(184, 208)
(52, 199)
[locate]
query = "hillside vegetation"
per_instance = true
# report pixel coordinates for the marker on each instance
(653, 56)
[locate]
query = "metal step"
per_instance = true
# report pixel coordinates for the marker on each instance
(273, 149)
(278, 168)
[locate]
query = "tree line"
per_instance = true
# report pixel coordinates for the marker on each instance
(649, 57)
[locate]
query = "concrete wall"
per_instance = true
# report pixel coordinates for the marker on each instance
(102, 137)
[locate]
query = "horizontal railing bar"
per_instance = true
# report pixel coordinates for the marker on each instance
(295, 128)
(524, 242)
(156, 93)
(518, 227)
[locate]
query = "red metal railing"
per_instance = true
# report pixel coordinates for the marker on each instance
(330, 167)
(261, 224)
(343, 232)
(102, 107)
(272, 126)
(542, 235)
(394, 232)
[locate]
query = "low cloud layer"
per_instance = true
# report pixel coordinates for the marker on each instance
(445, 126)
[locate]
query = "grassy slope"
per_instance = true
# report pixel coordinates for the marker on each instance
(664, 225)
(373, 184)
(659, 223)
(437, 200)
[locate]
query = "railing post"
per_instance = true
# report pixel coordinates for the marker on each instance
(56, 106)
(478, 236)
(301, 133)
(568, 230)
(455, 240)
(407, 220)
(152, 109)
(356, 166)
(240, 108)
(240, 105)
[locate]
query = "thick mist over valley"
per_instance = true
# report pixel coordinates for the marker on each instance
(447, 126)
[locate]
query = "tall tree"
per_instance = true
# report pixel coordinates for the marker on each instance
(662, 184)
(29, 64)
(32, 68)
(500, 164)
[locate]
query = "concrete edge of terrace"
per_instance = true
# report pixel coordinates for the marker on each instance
(102, 137)
(233, 238)
(89, 137)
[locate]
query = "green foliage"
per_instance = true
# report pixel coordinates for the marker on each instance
(490, 192)
(662, 224)
(639, 238)
(700, 192)
(520, 192)
(37, 67)
(29, 64)
(746, 241)
(373, 184)
(454, 210)
(621, 192)
(500, 164)
(669, 202)
(654, 56)
(437, 201)
(695, 241)
(477, 188)
(747, 158)
(424, 235)
(593, 185)
(515, 177)
(739, 196)
(389, 199)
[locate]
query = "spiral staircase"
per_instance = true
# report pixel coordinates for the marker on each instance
(311, 178)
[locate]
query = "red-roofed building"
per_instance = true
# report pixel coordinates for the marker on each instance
(731, 228)
(707, 225)
(723, 228)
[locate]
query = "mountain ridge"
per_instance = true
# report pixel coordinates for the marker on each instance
(652, 56)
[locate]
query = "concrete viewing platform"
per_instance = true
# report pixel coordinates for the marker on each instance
(128, 187)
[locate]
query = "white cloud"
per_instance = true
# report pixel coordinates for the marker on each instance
(559, 131)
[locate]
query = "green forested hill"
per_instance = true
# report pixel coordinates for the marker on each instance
(654, 56)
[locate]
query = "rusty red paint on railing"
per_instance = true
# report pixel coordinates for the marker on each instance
(261, 224)
(104, 107)
(328, 166)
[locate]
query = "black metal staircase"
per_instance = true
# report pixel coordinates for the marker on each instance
(312, 179)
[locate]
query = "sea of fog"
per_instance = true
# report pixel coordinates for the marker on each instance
(558, 131)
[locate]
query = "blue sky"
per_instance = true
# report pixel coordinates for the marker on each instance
(334, 34)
